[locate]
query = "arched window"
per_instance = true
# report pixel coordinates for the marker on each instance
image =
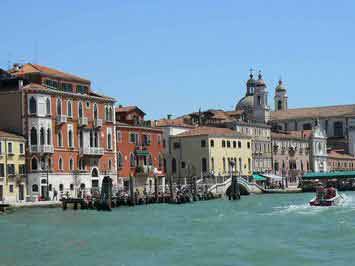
(61, 187)
(132, 160)
(42, 136)
(96, 139)
(34, 136)
(34, 188)
(48, 106)
(81, 138)
(161, 162)
(80, 113)
(71, 164)
(33, 105)
(49, 137)
(60, 138)
(119, 160)
(59, 106)
(70, 138)
(204, 165)
(60, 164)
(95, 112)
(224, 164)
(212, 164)
(106, 113)
(94, 173)
(319, 147)
(110, 164)
(91, 139)
(69, 109)
(173, 165)
(110, 114)
(34, 163)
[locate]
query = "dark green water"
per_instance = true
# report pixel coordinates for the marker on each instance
(258, 230)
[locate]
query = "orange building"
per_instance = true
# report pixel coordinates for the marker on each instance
(70, 129)
(139, 149)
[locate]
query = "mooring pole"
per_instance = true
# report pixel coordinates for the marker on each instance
(131, 190)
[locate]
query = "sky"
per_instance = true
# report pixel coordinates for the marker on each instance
(174, 57)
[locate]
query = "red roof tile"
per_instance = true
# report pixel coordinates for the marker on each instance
(208, 131)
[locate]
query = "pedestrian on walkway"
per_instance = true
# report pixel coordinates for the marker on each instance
(55, 195)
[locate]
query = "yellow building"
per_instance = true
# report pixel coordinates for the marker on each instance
(207, 151)
(12, 168)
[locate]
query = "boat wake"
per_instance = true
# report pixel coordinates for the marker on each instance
(306, 209)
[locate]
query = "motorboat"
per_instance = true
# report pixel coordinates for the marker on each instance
(327, 197)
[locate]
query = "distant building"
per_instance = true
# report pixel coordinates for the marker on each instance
(68, 127)
(339, 161)
(208, 151)
(12, 168)
(139, 149)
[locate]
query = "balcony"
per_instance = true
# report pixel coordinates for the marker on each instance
(97, 123)
(83, 121)
(42, 149)
(61, 119)
(92, 151)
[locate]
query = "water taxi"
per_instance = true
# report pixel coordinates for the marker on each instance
(327, 197)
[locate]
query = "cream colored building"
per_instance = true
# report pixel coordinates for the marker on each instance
(207, 151)
(12, 168)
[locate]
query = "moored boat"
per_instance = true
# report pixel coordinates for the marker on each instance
(327, 197)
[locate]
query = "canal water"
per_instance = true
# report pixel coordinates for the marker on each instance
(258, 230)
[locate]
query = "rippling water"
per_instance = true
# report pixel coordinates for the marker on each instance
(258, 230)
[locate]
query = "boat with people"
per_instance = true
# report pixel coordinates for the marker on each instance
(328, 196)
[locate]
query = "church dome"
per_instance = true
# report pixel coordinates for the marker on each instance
(280, 87)
(246, 103)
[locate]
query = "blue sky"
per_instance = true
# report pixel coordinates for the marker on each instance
(177, 56)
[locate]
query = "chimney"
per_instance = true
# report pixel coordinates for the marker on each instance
(17, 66)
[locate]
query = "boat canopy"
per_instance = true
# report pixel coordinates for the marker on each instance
(329, 175)
(273, 177)
(257, 177)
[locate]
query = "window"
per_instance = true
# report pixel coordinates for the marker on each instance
(212, 164)
(204, 165)
(60, 138)
(34, 163)
(203, 143)
(161, 162)
(224, 164)
(249, 164)
(22, 169)
(248, 144)
(110, 164)
(33, 105)
(49, 135)
(70, 138)
(132, 160)
(223, 143)
(9, 148)
(212, 143)
(150, 160)
(159, 139)
(119, 160)
(11, 188)
(51, 83)
(228, 144)
(60, 164)
(48, 106)
(71, 164)
(239, 144)
(234, 144)
(338, 129)
(183, 165)
(67, 87)
(2, 170)
(132, 137)
(34, 188)
(109, 141)
(71, 187)
(307, 126)
(0, 147)
(259, 100)
(276, 166)
(80, 112)
(95, 112)
(176, 145)
(61, 187)
(42, 136)
(279, 105)
(81, 89)
(11, 169)
(59, 106)
(69, 109)
(118, 136)
(22, 149)
(146, 140)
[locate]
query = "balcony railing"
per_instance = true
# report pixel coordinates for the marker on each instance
(83, 121)
(61, 119)
(97, 123)
(95, 151)
(42, 148)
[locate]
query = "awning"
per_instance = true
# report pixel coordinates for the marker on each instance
(257, 177)
(329, 175)
(142, 153)
(273, 177)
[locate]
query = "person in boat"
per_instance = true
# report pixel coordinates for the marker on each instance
(330, 192)
(320, 192)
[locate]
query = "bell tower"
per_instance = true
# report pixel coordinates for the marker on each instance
(280, 97)
(260, 101)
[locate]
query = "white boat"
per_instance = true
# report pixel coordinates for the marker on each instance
(327, 197)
